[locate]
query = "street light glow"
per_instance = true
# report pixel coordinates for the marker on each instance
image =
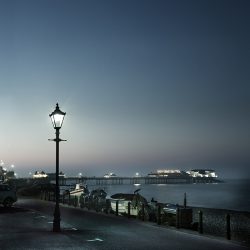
(57, 117)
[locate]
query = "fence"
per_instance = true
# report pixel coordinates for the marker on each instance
(224, 223)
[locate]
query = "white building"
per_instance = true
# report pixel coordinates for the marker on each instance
(203, 173)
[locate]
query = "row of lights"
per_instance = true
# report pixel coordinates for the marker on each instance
(12, 166)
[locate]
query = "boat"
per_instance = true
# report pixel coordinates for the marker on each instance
(170, 208)
(78, 190)
(123, 199)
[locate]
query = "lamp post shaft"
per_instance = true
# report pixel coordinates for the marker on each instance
(57, 217)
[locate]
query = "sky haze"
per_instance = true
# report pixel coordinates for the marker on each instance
(146, 85)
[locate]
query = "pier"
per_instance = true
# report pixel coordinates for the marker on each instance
(129, 180)
(102, 181)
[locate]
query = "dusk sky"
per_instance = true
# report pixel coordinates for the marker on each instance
(146, 85)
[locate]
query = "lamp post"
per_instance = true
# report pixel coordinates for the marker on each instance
(57, 117)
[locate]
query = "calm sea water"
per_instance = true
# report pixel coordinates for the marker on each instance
(232, 194)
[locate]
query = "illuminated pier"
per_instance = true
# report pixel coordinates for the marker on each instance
(129, 180)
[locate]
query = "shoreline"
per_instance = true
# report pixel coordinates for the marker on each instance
(214, 223)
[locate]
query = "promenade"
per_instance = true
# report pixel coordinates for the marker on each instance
(28, 225)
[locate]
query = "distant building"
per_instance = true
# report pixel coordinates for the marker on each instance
(52, 176)
(38, 175)
(4, 174)
(165, 173)
(110, 175)
(202, 173)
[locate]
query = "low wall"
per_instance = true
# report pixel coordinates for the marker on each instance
(214, 220)
(214, 223)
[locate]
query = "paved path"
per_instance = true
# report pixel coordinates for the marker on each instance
(28, 226)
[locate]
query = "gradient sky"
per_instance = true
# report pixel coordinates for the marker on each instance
(146, 85)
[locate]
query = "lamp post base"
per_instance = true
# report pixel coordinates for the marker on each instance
(56, 226)
(57, 219)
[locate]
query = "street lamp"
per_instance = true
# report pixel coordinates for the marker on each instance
(57, 117)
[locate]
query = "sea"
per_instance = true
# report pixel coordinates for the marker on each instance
(230, 194)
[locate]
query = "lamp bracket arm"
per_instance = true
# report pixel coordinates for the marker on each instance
(55, 140)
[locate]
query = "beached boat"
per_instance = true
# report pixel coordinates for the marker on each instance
(170, 208)
(123, 199)
(77, 190)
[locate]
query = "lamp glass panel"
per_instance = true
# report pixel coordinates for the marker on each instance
(57, 120)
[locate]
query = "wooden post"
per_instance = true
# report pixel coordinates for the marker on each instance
(159, 215)
(129, 207)
(178, 218)
(228, 226)
(200, 222)
(96, 205)
(75, 201)
(107, 206)
(143, 212)
(116, 208)
(185, 200)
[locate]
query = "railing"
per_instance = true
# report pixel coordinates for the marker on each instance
(204, 221)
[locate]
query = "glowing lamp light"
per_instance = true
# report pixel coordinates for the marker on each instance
(57, 117)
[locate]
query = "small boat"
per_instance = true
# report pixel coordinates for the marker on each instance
(170, 208)
(135, 199)
(78, 190)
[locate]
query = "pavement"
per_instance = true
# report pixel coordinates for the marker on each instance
(28, 225)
